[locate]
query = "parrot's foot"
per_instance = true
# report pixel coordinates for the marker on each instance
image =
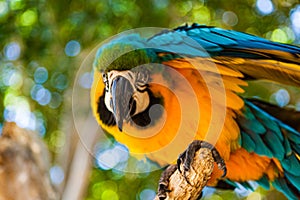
(164, 182)
(188, 155)
(184, 161)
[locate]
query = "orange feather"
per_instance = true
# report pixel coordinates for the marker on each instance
(189, 115)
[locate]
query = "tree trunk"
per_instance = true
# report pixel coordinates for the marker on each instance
(24, 166)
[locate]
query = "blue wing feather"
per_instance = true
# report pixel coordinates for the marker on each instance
(226, 39)
(278, 141)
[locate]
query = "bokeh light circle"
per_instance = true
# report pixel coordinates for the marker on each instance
(72, 48)
(264, 7)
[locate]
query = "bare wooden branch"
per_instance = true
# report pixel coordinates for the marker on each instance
(24, 165)
(196, 178)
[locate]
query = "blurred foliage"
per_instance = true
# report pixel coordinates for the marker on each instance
(42, 44)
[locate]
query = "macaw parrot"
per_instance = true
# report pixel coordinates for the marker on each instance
(158, 94)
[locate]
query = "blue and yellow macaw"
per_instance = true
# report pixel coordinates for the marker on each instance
(157, 95)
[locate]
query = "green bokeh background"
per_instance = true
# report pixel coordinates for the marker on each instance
(43, 43)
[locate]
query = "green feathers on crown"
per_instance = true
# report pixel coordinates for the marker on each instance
(123, 54)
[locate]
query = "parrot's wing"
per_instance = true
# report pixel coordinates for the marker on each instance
(289, 116)
(255, 57)
(242, 56)
(267, 136)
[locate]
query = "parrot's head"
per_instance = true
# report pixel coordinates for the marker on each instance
(126, 94)
(120, 91)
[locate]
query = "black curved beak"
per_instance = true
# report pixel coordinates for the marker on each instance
(121, 95)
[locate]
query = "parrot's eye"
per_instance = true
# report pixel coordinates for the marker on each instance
(142, 78)
(104, 76)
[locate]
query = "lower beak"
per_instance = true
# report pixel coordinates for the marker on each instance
(121, 95)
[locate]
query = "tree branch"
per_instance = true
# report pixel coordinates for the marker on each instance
(190, 188)
(24, 165)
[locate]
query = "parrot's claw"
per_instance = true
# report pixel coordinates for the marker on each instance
(188, 155)
(164, 182)
(184, 161)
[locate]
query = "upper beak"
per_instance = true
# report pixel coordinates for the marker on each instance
(121, 94)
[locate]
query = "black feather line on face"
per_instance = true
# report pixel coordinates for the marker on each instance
(105, 115)
(144, 119)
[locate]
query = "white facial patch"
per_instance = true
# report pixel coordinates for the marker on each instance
(141, 98)
(142, 101)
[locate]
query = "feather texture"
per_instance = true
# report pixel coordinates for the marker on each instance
(205, 69)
